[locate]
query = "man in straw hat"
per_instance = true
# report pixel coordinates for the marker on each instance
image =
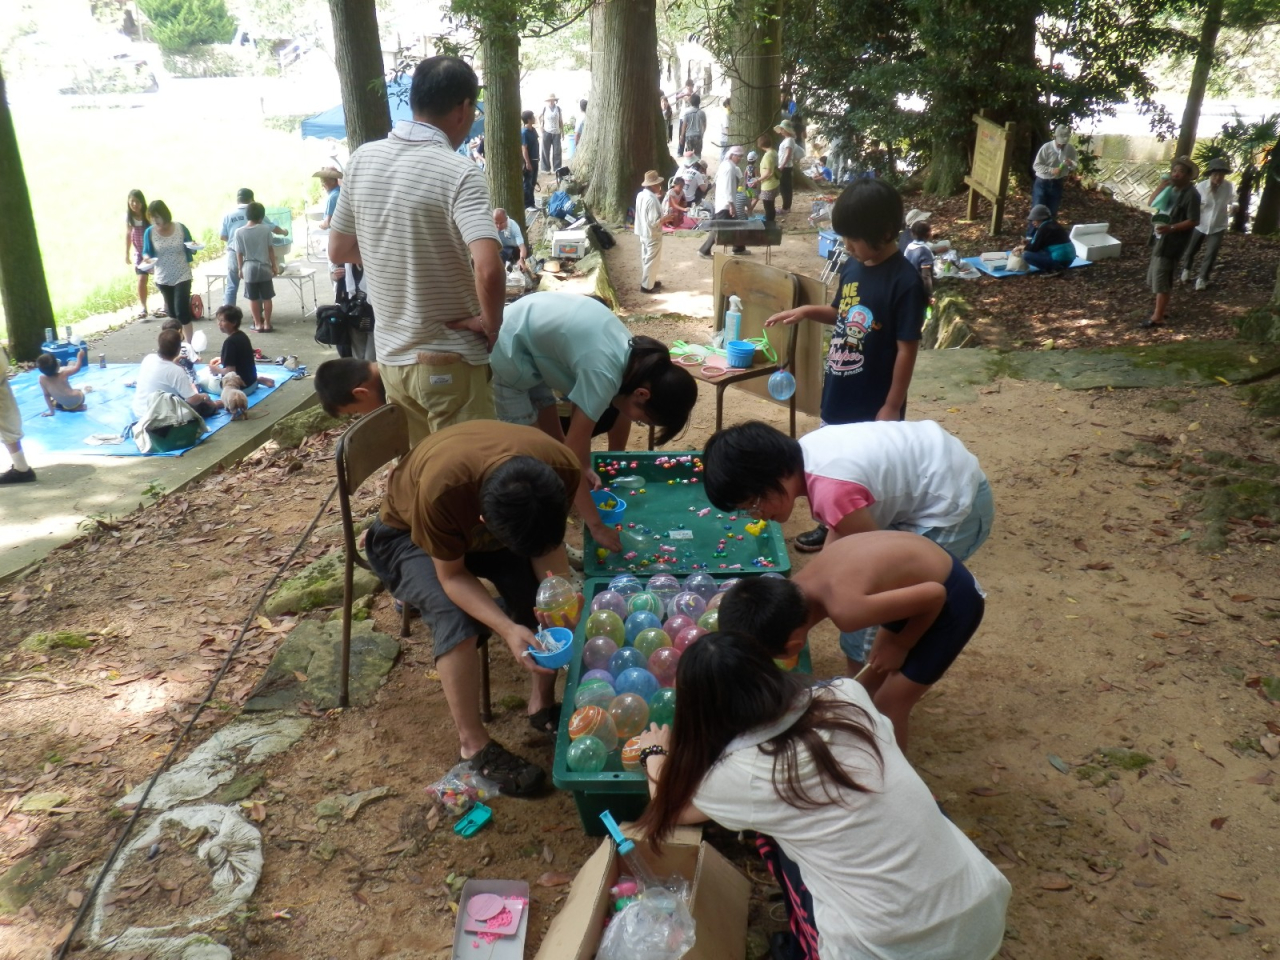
(649, 230)
(329, 177)
(787, 157)
(552, 122)
(1054, 162)
(1217, 194)
(1172, 235)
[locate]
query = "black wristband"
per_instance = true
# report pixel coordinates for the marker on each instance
(651, 751)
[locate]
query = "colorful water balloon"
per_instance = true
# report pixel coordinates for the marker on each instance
(631, 755)
(597, 651)
(626, 584)
(636, 680)
(662, 664)
(664, 586)
(595, 722)
(644, 601)
(587, 755)
(630, 713)
(606, 623)
(703, 584)
(647, 641)
(662, 706)
(625, 659)
(559, 600)
(674, 624)
(687, 636)
(714, 602)
(690, 604)
(610, 600)
(604, 675)
(710, 621)
(594, 693)
(781, 385)
(640, 620)
(725, 585)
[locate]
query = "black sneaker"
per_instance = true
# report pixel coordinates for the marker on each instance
(813, 540)
(14, 475)
(515, 776)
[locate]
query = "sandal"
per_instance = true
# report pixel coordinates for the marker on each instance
(141, 316)
(515, 776)
(546, 720)
(159, 313)
(1148, 324)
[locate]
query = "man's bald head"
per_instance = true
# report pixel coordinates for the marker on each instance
(500, 218)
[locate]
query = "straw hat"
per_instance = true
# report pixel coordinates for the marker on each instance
(328, 173)
(1188, 164)
(651, 178)
(551, 97)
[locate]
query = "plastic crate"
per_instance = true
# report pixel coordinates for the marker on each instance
(624, 793)
(829, 240)
(674, 508)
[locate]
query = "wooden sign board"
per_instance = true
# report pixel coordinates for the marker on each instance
(990, 174)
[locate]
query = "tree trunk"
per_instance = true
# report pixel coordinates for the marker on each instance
(1244, 194)
(23, 290)
(1199, 77)
(503, 160)
(358, 55)
(755, 70)
(628, 136)
(1267, 219)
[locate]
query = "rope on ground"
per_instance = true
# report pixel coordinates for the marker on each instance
(85, 907)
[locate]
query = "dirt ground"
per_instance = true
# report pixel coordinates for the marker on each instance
(1109, 627)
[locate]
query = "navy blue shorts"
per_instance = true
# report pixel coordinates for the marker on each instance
(958, 620)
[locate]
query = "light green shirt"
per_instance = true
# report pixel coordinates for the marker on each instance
(573, 344)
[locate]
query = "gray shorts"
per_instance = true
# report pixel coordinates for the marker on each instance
(1160, 273)
(521, 406)
(410, 575)
(261, 290)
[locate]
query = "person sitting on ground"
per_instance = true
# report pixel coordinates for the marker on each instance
(11, 429)
(1050, 248)
(479, 499)
(237, 351)
(620, 380)
(877, 475)
(675, 208)
(920, 254)
(885, 873)
(256, 258)
(824, 172)
(160, 373)
(187, 356)
(349, 386)
(512, 240)
(56, 386)
(926, 604)
(751, 181)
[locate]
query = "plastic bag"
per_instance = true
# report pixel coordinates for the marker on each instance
(657, 925)
(461, 789)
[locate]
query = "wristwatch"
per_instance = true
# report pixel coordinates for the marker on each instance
(650, 751)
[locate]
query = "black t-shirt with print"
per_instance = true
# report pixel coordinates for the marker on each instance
(237, 352)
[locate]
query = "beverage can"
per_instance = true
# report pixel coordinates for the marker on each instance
(68, 333)
(102, 360)
(48, 334)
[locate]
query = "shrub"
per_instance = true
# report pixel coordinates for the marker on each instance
(178, 25)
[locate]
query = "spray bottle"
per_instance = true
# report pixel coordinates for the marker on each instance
(733, 321)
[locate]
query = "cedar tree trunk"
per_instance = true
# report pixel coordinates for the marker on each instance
(755, 70)
(1267, 219)
(627, 136)
(503, 161)
(1199, 77)
(358, 55)
(23, 289)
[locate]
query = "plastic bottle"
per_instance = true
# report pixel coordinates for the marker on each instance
(733, 321)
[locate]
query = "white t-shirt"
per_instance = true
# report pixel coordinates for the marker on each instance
(786, 153)
(912, 475)
(891, 877)
(1215, 206)
(157, 375)
(414, 205)
(728, 178)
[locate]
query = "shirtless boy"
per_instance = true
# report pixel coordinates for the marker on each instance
(58, 392)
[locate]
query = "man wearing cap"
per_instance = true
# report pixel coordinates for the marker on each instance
(728, 179)
(552, 122)
(329, 177)
(1050, 248)
(649, 229)
(416, 215)
(1172, 237)
(1217, 194)
(1054, 162)
(236, 218)
(786, 162)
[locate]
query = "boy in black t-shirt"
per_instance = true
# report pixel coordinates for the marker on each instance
(529, 156)
(878, 312)
(237, 351)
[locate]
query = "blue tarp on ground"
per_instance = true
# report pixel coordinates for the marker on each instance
(333, 122)
(1000, 273)
(108, 412)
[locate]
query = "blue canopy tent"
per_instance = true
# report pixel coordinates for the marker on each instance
(333, 122)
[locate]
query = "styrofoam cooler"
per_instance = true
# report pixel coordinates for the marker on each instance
(829, 240)
(1092, 242)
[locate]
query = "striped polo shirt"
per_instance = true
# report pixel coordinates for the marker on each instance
(414, 205)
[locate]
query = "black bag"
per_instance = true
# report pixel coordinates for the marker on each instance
(331, 326)
(359, 312)
(601, 237)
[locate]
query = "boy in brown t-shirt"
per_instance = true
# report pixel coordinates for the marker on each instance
(479, 499)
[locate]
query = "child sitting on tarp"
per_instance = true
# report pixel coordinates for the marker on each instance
(58, 392)
(1050, 248)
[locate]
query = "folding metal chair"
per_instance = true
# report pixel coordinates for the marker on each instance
(369, 444)
(835, 260)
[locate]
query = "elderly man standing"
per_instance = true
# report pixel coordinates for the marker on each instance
(649, 230)
(1217, 194)
(329, 177)
(552, 120)
(1054, 162)
(514, 249)
(416, 215)
(1173, 235)
(728, 179)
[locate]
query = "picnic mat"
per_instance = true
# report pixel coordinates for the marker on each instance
(108, 412)
(1000, 272)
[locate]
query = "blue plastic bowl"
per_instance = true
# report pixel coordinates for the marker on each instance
(557, 658)
(609, 516)
(741, 353)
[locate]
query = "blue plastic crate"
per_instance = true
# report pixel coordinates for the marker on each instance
(829, 240)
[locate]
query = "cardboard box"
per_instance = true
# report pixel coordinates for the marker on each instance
(718, 902)
(1092, 242)
(569, 244)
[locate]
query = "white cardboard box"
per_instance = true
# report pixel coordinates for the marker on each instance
(719, 900)
(1092, 242)
(569, 245)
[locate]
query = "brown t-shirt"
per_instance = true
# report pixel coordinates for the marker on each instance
(435, 491)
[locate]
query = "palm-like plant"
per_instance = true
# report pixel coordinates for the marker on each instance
(1248, 147)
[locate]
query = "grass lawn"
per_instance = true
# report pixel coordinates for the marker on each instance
(81, 164)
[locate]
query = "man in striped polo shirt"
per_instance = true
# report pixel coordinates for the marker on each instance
(417, 216)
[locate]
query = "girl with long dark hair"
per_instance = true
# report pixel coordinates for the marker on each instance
(136, 222)
(818, 770)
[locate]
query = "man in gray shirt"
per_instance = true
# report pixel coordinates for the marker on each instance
(693, 124)
(552, 121)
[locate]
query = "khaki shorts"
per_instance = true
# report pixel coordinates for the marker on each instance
(1160, 274)
(10, 415)
(434, 396)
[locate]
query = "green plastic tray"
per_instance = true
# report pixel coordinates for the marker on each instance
(675, 510)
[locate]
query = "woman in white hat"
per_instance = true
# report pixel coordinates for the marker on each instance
(786, 161)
